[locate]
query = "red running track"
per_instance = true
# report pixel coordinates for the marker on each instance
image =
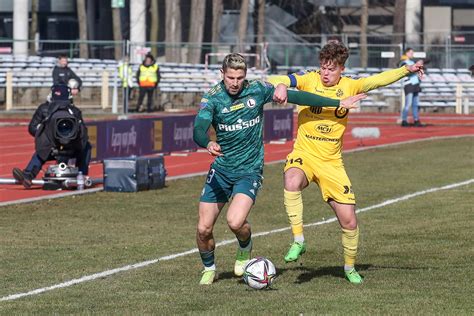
(17, 146)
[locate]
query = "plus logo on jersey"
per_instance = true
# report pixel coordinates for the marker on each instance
(241, 124)
(251, 103)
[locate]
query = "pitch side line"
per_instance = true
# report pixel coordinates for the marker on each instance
(220, 244)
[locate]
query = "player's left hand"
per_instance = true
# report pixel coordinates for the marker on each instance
(281, 94)
(350, 102)
(417, 67)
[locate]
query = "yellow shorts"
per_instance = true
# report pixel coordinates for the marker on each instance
(330, 176)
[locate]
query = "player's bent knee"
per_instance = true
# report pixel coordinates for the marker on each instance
(295, 180)
(349, 224)
(204, 232)
(235, 225)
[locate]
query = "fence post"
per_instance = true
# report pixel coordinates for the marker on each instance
(458, 98)
(105, 90)
(9, 92)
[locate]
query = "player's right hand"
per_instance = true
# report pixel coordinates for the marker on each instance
(350, 102)
(281, 94)
(214, 149)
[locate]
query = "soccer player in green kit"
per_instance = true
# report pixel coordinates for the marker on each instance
(234, 107)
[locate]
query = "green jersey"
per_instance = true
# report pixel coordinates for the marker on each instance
(238, 122)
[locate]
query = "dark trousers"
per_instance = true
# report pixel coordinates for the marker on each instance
(149, 92)
(83, 158)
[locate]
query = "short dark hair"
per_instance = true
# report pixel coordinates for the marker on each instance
(334, 51)
(61, 56)
(407, 50)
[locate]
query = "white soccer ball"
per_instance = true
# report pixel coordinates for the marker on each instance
(259, 273)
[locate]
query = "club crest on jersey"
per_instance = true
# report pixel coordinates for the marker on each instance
(339, 93)
(251, 103)
(324, 128)
(341, 112)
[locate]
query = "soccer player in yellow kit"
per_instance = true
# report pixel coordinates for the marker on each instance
(316, 156)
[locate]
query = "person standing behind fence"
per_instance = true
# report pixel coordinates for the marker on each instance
(412, 88)
(148, 77)
(126, 76)
(62, 74)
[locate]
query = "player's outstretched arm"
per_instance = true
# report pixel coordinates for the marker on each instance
(282, 95)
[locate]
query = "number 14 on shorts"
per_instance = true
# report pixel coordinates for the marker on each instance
(294, 161)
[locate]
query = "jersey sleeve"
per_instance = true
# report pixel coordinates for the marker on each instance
(379, 80)
(267, 89)
(203, 121)
(294, 80)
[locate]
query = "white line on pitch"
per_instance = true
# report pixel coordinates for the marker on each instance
(220, 244)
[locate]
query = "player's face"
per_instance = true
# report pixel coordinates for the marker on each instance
(233, 80)
(62, 62)
(330, 72)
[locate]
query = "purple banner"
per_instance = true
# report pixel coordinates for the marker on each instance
(278, 124)
(166, 134)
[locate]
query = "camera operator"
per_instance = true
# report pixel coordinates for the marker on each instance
(60, 134)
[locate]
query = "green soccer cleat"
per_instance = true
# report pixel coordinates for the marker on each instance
(241, 260)
(208, 277)
(353, 276)
(295, 251)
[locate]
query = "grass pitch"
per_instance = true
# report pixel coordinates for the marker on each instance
(415, 255)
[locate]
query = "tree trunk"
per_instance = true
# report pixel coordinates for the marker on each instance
(82, 21)
(364, 18)
(216, 22)
(398, 30)
(117, 30)
(33, 26)
(173, 31)
(244, 12)
(198, 11)
(260, 29)
(154, 26)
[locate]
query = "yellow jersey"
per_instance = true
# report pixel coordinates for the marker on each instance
(321, 129)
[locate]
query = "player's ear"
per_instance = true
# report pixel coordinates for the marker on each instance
(222, 73)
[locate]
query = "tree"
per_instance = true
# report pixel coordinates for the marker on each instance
(244, 11)
(173, 31)
(398, 30)
(154, 26)
(82, 21)
(117, 30)
(364, 19)
(216, 21)
(260, 27)
(198, 12)
(33, 26)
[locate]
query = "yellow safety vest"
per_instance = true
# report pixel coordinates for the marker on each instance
(148, 75)
(126, 75)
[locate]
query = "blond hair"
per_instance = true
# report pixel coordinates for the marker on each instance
(234, 61)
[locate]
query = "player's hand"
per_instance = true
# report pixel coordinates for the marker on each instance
(417, 67)
(281, 94)
(214, 149)
(350, 102)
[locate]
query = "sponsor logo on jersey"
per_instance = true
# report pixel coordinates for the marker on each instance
(225, 110)
(241, 124)
(251, 103)
(339, 93)
(237, 107)
(324, 128)
(322, 139)
(341, 112)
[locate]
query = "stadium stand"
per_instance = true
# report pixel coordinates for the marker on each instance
(439, 85)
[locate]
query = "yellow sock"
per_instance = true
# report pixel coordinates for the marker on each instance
(350, 241)
(294, 209)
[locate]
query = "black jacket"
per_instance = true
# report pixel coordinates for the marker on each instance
(43, 132)
(62, 75)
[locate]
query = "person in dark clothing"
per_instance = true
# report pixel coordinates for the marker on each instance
(47, 145)
(148, 77)
(62, 74)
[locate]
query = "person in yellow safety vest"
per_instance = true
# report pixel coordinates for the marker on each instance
(148, 77)
(126, 76)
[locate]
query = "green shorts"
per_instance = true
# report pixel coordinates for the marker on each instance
(221, 185)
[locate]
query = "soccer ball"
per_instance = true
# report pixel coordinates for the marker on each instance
(259, 273)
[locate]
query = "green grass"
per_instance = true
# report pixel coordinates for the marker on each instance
(416, 255)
